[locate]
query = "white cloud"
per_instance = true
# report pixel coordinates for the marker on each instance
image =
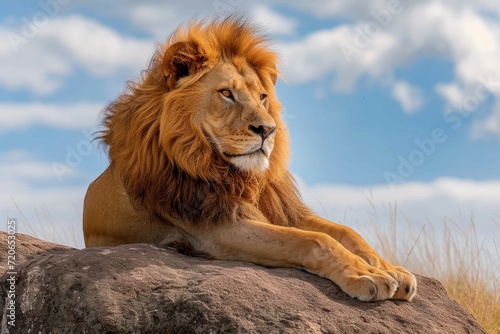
(371, 44)
(451, 93)
(355, 9)
(17, 116)
(20, 166)
(22, 70)
(316, 56)
(486, 5)
(53, 214)
(273, 21)
(101, 50)
(159, 19)
(362, 10)
(408, 96)
(52, 211)
(337, 52)
(343, 52)
(375, 47)
(44, 61)
(488, 127)
(416, 203)
(63, 44)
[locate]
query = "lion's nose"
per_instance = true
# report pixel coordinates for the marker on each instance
(262, 130)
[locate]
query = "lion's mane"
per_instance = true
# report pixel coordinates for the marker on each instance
(165, 162)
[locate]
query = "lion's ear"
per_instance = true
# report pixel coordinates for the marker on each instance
(182, 59)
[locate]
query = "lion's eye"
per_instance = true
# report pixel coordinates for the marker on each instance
(227, 94)
(263, 96)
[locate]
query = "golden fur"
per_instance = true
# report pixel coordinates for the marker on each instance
(172, 162)
(181, 171)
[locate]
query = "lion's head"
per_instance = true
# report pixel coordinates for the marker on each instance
(221, 76)
(235, 116)
(205, 114)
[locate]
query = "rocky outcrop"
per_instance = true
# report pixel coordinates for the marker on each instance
(26, 248)
(144, 289)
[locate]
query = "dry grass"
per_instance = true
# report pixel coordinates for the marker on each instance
(467, 267)
(43, 227)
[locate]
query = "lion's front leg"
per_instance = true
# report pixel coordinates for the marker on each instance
(277, 246)
(407, 284)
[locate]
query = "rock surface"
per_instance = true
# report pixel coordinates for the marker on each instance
(27, 248)
(144, 289)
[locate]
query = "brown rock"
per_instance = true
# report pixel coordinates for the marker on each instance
(144, 289)
(27, 248)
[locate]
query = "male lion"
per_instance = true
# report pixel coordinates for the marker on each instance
(199, 157)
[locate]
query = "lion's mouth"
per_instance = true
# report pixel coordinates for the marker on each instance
(257, 151)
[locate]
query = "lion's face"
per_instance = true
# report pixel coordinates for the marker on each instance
(235, 117)
(219, 106)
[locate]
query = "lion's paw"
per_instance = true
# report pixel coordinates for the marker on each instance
(370, 286)
(407, 283)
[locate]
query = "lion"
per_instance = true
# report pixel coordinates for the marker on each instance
(198, 157)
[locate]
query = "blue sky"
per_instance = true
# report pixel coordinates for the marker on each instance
(399, 99)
